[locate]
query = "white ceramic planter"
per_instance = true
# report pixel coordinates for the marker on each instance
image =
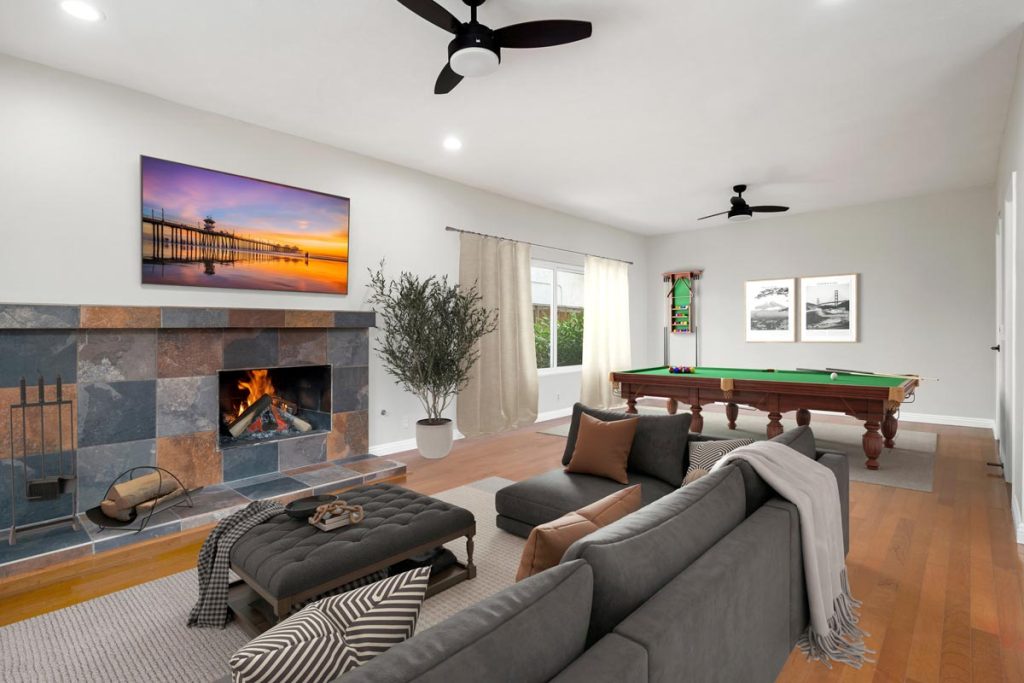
(434, 441)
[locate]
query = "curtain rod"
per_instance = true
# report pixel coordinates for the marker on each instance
(534, 244)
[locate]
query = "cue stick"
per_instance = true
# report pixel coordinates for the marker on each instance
(864, 373)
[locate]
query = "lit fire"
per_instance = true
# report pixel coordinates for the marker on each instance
(257, 384)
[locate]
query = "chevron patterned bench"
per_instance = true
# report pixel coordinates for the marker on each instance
(285, 563)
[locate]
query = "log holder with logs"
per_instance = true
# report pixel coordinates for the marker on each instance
(138, 522)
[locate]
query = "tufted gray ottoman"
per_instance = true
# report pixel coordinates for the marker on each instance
(285, 562)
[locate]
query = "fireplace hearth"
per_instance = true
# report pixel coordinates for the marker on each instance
(270, 404)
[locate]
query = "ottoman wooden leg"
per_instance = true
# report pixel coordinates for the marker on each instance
(470, 567)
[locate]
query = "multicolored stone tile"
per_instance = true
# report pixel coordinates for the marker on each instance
(115, 356)
(302, 347)
(256, 317)
(172, 317)
(28, 316)
(37, 548)
(271, 487)
(99, 466)
(301, 451)
(32, 511)
(193, 458)
(120, 317)
(355, 319)
(242, 462)
(350, 389)
(329, 478)
(346, 348)
(350, 435)
(309, 319)
(210, 505)
(116, 412)
(162, 523)
(186, 404)
(245, 349)
(187, 353)
(29, 355)
(376, 469)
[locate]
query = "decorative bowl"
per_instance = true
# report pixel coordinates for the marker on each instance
(303, 508)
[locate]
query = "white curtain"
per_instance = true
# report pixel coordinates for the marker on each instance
(605, 328)
(502, 391)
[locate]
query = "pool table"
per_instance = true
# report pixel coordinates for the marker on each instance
(874, 399)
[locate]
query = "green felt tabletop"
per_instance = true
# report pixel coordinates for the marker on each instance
(780, 376)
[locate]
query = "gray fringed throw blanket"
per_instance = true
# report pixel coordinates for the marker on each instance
(833, 635)
(215, 559)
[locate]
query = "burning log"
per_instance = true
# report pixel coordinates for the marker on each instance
(238, 427)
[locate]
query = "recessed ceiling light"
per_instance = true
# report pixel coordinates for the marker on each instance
(452, 143)
(81, 10)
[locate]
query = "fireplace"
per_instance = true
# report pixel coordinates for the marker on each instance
(270, 404)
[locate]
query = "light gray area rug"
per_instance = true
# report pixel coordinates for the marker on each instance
(911, 465)
(139, 634)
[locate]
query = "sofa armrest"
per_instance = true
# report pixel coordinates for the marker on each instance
(840, 466)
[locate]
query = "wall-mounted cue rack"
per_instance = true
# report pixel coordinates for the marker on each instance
(681, 296)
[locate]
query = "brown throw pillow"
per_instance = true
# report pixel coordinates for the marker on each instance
(548, 542)
(602, 448)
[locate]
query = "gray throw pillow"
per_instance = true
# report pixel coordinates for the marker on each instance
(659, 447)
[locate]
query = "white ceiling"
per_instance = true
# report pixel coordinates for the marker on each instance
(646, 126)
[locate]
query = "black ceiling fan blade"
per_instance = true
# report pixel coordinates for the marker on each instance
(434, 13)
(446, 80)
(547, 33)
(769, 209)
(713, 215)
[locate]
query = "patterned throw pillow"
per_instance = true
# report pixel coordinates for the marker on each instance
(336, 634)
(704, 454)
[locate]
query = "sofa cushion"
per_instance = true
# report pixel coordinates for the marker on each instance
(526, 633)
(550, 495)
(613, 658)
(548, 542)
(800, 440)
(602, 448)
(336, 634)
(726, 617)
(659, 447)
(636, 556)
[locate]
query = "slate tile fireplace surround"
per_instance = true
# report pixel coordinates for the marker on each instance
(147, 389)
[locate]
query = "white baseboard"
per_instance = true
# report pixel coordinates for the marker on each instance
(952, 420)
(554, 414)
(1018, 525)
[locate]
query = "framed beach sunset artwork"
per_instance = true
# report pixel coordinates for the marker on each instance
(204, 228)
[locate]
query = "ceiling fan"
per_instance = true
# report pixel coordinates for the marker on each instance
(741, 211)
(476, 49)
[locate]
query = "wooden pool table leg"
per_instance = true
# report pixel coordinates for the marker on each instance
(732, 411)
(803, 417)
(671, 405)
(889, 426)
(697, 423)
(631, 405)
(774, 425)
(872, 444)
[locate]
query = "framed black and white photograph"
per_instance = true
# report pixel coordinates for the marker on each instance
(829, 308)
(771, 310)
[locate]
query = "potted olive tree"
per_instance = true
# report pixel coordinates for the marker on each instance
(428, 343)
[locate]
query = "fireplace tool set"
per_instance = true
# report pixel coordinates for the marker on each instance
(56, 473)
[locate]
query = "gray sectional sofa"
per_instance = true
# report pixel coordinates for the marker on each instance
(703, 583)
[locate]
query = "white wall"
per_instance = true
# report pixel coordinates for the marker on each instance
(1012, 160)
(926, 291)
(69, 210)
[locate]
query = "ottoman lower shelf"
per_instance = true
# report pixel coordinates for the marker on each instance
(400, 524)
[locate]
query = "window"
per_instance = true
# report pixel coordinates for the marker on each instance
(557, 314)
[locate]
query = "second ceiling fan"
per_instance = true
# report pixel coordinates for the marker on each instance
(476, 49)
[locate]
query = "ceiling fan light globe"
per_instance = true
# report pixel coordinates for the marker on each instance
(740, 217)
(472, 62)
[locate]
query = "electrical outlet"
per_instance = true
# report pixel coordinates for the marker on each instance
(558, 397)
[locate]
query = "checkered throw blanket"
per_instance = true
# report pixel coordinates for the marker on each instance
(215, 557)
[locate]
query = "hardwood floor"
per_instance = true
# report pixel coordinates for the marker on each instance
(940, 574)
